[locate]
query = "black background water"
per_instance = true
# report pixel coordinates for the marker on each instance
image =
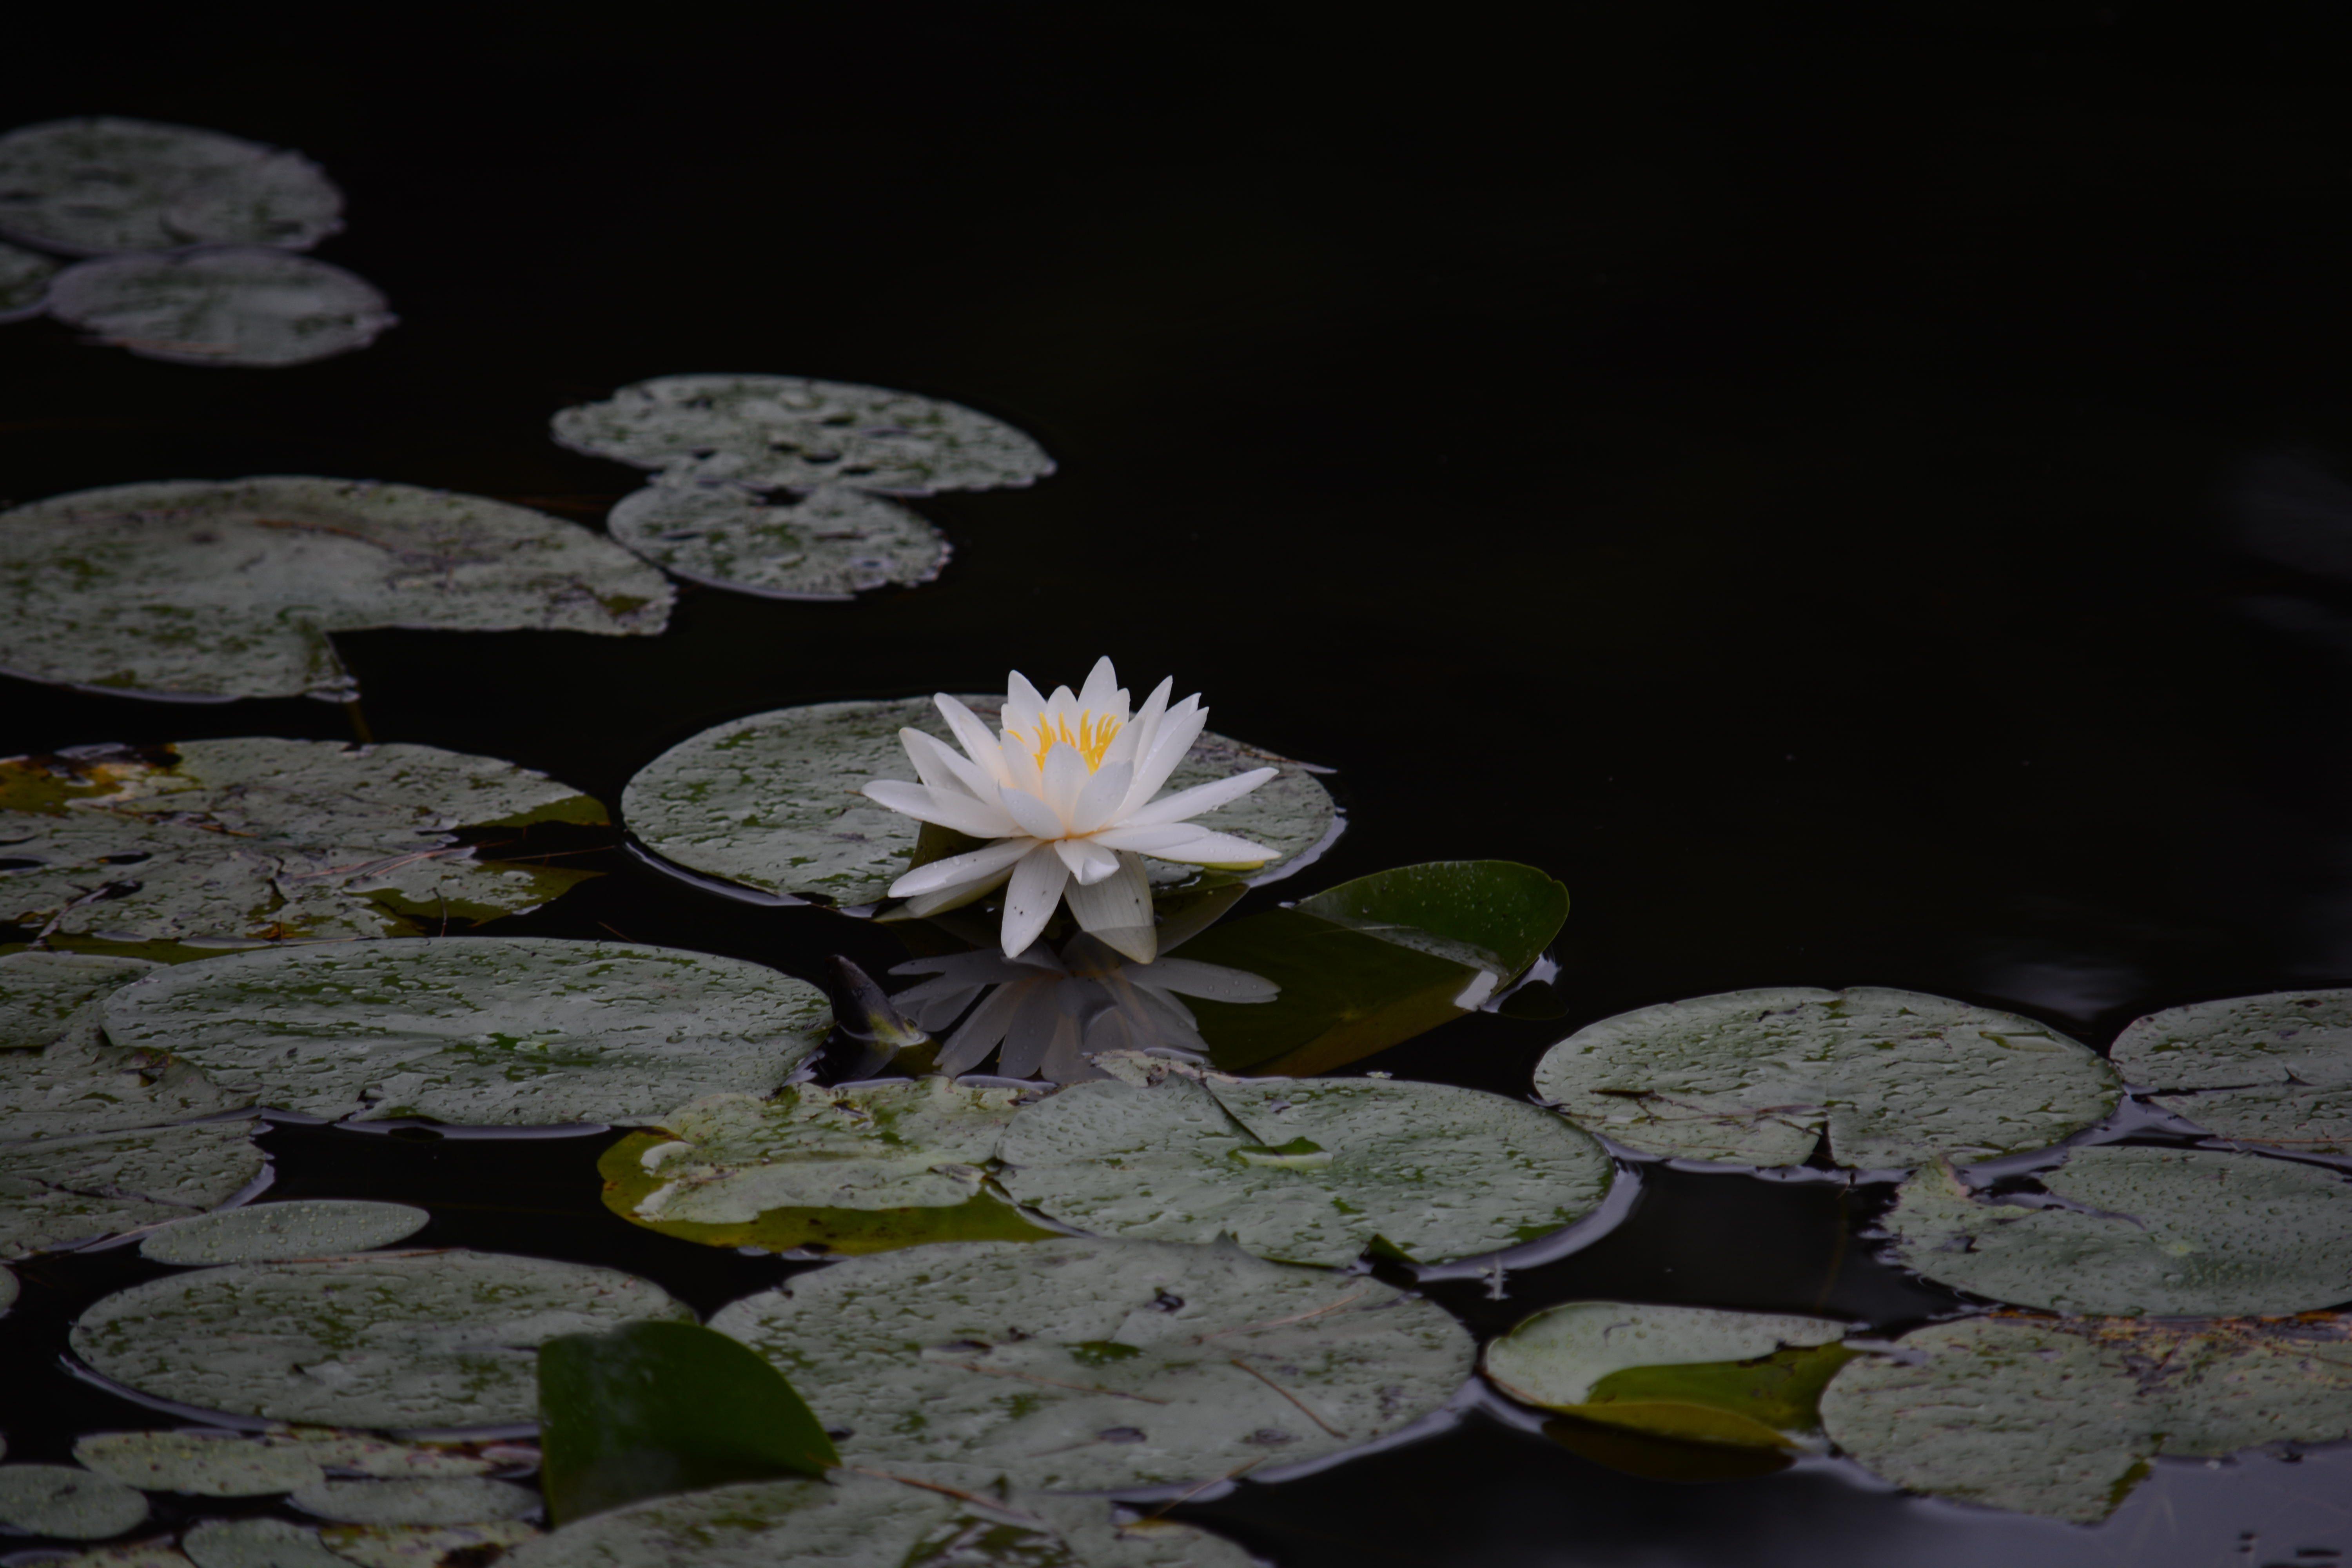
(1848, 489)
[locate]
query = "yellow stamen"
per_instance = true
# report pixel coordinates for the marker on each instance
(1091, 741)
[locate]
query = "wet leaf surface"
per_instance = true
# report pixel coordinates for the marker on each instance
(832, 543)
(43, 995)
(425, 1545)
(2274, 1071)
(256, 1543)
(204, 1464)
(267, 1232)
(444, 1499)
(102, 183)
(65, 1190)
(60, 1499)
(252, 306)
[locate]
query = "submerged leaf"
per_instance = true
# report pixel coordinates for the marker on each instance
(65, 1190)
(251, 305)
(833, 543)
(102, 183)
(299, 1227)
(2275, 1071)
(59, 1500)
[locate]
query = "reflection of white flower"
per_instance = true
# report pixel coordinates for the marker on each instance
(1051, 1014)
(1066, 789)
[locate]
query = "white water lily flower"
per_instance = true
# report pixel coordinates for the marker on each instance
(1070, 790)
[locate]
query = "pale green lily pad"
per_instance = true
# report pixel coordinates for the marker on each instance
(43, 995)
(852, 1520)
(65, 1190)
(832, 543)
(1890, 1077)
(2167, 1232)
(1305, 1170)
(772, 801)
(2062, 1418)
(220, 589)
(102, 184)
(425, 1545)
(2275, 1070)
(251, 306)
(447, 1340)
(784, 432)
(203, 1464)
(256, 1543)
(74, 1090)
(58, 1499)
(504, 1031)
(299, 1227)
(454, 1500)
(258, 839)
(24, 282)
(1078, 1363)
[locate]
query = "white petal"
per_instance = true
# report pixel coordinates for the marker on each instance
(1030, 900)
(1035, 818)
(1102, 796)
(957, 810)
(1066, 774)
(1021, 704)
(970, 1046)
(955, 896)
(937, 760)
(1021, 770)
(1088, 862)
(976, 737)
(1100, 694)
(972, 866)
(1134, 737)
(1202, 797)
(1169, 746)
(1205, 849)
(1148, 840)
(1117, 911)
(1217, 982)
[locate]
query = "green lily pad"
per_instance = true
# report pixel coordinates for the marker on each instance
(157, 1553)
(100, 184)
(220, 589)
(1308, 1170)
(256, 1543)
(72, 1091)
(2171, 1232)
(65, 1190)
(448, 1499)
(1889, 1077)
(504, 1031)
(203, 1464)
(251, 306)
(2275, 1070)
(385, 1461)
(44, 996)
(2062, 1418)
(24, 282)
(426, 1546)
(832, 543)
(443, 1341)
(784, 432)
(1699, 1374)
(299, 1227)
(58, 1499)
(770, 803)
(1078, 1363)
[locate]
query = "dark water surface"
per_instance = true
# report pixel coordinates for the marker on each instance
(1851, 491)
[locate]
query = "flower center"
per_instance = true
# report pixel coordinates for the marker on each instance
(1091, 741)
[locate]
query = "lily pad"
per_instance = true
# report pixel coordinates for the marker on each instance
(784, 432)
(1888, 1078)
(1078, 1364)
(770, 803)
(299, 1227)
(425, 1545)
(1308, 1170)
(452, 1499)
(371, 1456)
(74, 1090)
(513, 1031)
(24, 282)
(203, 1464)
(211, 590)
(2062, 1418)
(248, 306)
(8, 1289)
(157, 1553)
(2121, 1229)
(43, 995)
(2274, 1071)
(255, 840)
(58, 1499)
(100, 184)
(833, 543)
(256, 1543)
(65, 1190)
(447, 1340)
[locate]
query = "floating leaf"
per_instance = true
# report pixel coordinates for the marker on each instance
(386, 1460)
(65, 1190)
(252, 306)
(1889, 1077)
(156, 1553)
(73, 1091)
(655, 1408)
(1083, 1363)
(833, 543)
(445, 1339)
(512, 1031)
(1376, 961)
(771, 802)
(58, 1499)
(2119, 1229)
(1303, 1170)
(447, 1499)
(214, 590)
(2062, 1418)
(203, 1464)
(299, 1227)
(2275, 1070)
(24, 283)
(43, 995)
(426, 1546)
(256, 1543)
(99, 184)
(783, 432)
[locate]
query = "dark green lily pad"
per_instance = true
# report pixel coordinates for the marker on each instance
(253, 307)
(2273, 1070)
(258, 1542)
(65, 1190)
(203, 1464)
(45, 996)
(300, 1228)
(784, 432)
(219, 589)
(494, 1031)
(770, 803)
(1889, 1077)
(100, 184)
(1304, 1170)
(2170, 1232)
(24, 282)
(426, 1546)
(59, 1500)
(832, 543)
(257, 840)
(444, 1500)
(2062, 1417)
(75, 1090)
(447, 1340)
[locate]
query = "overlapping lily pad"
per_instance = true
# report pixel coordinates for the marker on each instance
(783, 432)
(426, 1546)
(203, 1464)
(770, 803)
(45, 996)
(221, 589)
(2119, 1229)
(505, 1031)
(24, 282)
(2062, 1418)
(2274, 1071)
(299, 1227)
(64, 1190)
(1308, 1170)
(832, 543)
(256, 840)
(444, 1341)
(72, 1090)
(1082, 1364)
(60, 1499)
(257, 1542)
(444, 1499)
(102, 184)
(1889, 1077)
(243, 306)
